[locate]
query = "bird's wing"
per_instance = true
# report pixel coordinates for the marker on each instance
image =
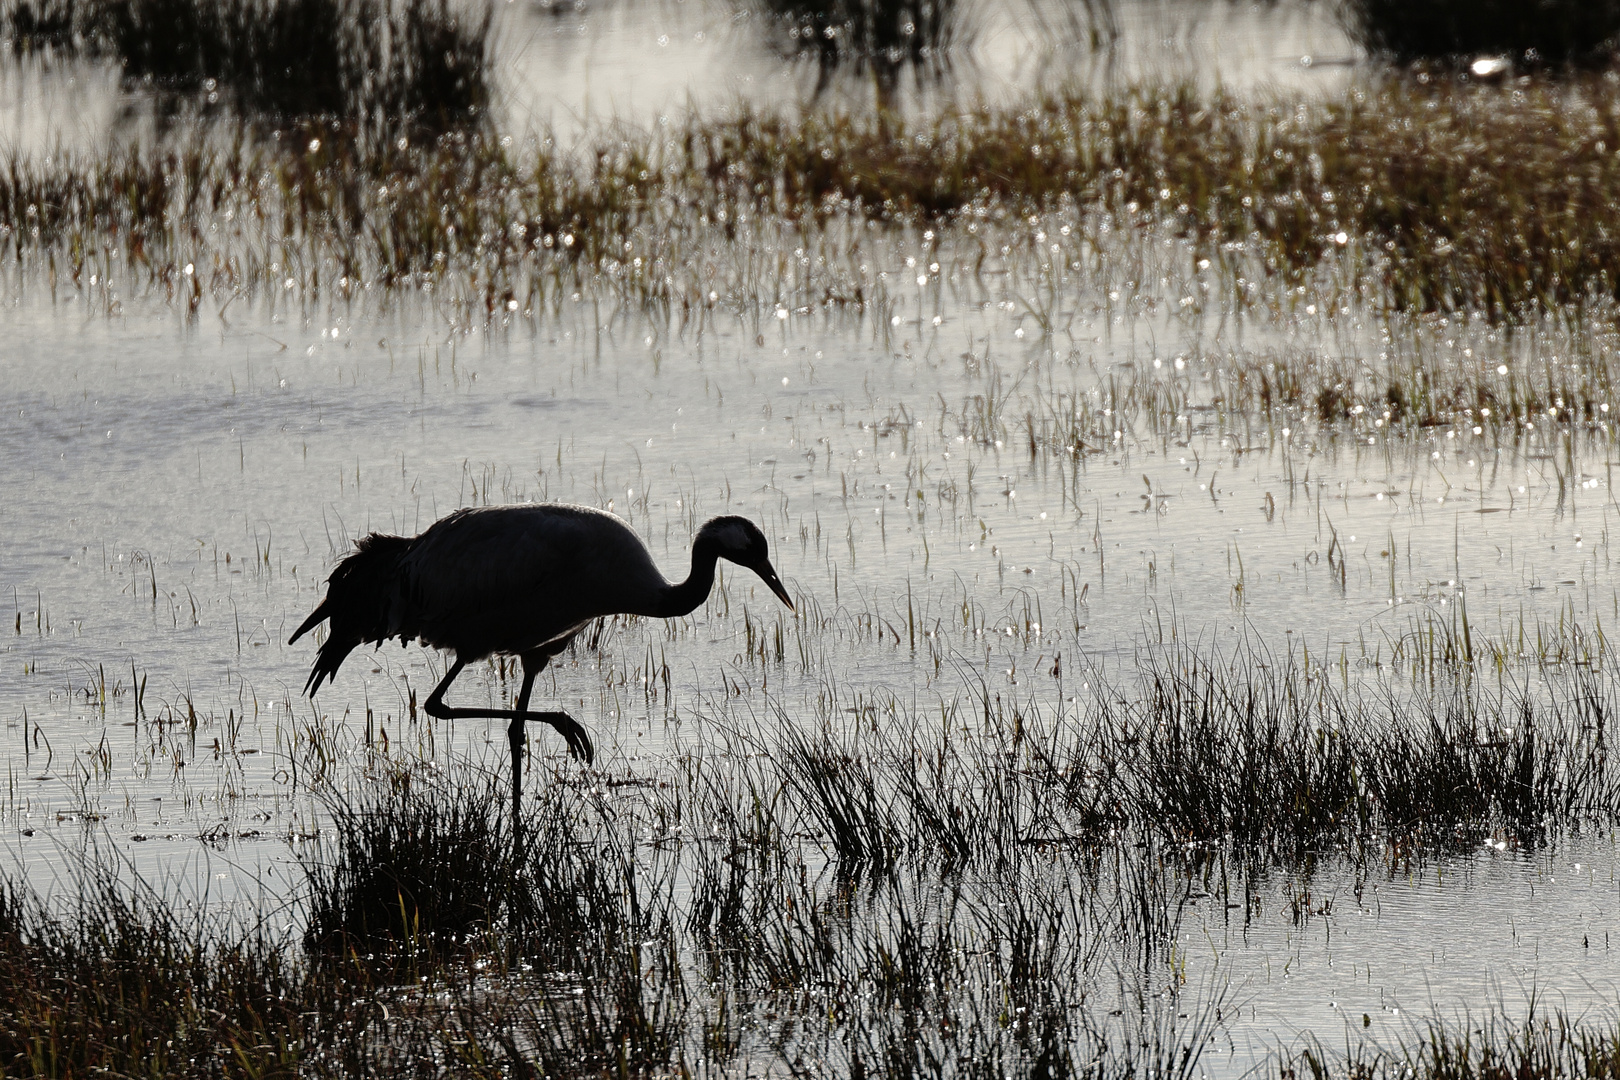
(508, 579)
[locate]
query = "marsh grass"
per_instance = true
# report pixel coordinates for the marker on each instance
(620, 968)
(1468, 221)
(1403, 199)
(1273, 757)
(1438, 769)
(1437, 646)
(902, 975)
(1545, 1043)
(422, 873)
(123, 983)
(1472, 401)
(994, 881)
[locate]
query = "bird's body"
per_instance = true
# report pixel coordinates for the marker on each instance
(471, 582)
(518, 580)
(493, 579)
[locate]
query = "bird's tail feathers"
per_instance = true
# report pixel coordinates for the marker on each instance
(309, 624)
(360, 598)
(327, 661)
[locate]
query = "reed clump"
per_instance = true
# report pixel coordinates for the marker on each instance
(1273, 758)
(1281, 763)
(418, 876)
(125, 985)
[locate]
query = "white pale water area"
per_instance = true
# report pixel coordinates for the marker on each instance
(176, 491)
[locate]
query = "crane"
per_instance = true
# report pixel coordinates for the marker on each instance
(519, 581)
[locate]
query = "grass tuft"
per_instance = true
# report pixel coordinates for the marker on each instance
(125, 985)
(419, 871)
(1542, 1044)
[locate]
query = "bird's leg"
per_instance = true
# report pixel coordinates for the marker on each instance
(533, 664)
(579, 743)
(435, 706)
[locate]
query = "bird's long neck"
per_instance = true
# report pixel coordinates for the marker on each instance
(685, 597)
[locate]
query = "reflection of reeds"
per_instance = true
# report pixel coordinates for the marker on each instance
(886, 37)
(395, 63)
(1553, 32)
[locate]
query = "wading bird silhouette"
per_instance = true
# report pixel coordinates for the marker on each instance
(516, 580)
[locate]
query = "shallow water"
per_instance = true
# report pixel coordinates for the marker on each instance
(1461, 938)
(178, 489)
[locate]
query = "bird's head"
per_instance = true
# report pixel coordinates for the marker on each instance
(739, 540)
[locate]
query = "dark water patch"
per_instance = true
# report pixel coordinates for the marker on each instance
(885, 37)
(377, 66)
(1553, 33)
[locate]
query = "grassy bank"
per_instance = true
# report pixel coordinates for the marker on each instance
(1489, 201)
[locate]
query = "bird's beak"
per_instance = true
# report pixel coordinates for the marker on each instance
(768, 574)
